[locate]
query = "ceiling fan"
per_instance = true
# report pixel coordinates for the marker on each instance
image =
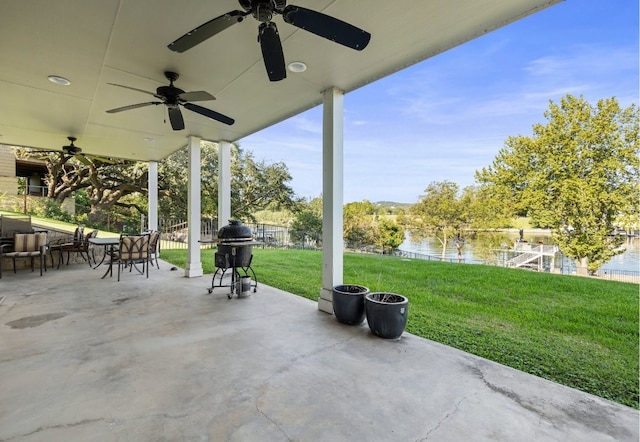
(263, 10)
(71, 149)
(173, 98)
(75, 151)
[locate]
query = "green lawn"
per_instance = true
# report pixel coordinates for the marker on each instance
(576, 331)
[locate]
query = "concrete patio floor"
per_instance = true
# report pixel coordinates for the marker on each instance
(160, 359)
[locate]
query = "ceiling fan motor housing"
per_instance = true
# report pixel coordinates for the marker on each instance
(248, 5)
(262, 10)
(263, 13)
(170, 93)
(71, 149)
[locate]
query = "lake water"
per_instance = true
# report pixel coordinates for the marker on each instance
(627, 261)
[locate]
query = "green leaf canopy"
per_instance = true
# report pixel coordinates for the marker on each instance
(577, 174)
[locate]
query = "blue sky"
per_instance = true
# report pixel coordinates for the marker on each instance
(448, 116)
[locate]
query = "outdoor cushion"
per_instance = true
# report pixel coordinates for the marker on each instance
(131, 250)
(28, 244)
(134, 247)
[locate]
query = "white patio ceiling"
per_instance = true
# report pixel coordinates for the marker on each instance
(95, 42)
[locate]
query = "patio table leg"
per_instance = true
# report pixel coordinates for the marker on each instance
(110, 269)
(104, 255)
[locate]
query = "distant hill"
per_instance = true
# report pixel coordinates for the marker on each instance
(392, 204)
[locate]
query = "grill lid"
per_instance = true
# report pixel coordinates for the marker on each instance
(235, 231)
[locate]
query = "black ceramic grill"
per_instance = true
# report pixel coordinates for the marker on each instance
(235, 253)
(235, 246)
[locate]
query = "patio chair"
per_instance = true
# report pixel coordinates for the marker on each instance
(26, 245)
(68, 244)
(154, 248)
(132, 250)
(81, 248)
(86, 246)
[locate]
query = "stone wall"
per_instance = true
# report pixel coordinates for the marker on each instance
(54, 236)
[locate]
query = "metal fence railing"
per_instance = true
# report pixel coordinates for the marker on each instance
(175, 233)
(174, 236)
(619, 275)
(271, 235)
(609, 274)
(413, 255)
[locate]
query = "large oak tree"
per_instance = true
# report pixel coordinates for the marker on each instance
(111, 183)
(577, 174)
(255, 185)
(106, 181)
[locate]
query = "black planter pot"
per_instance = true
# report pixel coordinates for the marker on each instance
(348, 303)
(386, 314)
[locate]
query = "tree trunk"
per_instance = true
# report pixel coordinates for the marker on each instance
(581, 266)
(444, 246)
(96, 218)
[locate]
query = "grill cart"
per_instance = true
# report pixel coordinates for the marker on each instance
(234, 254)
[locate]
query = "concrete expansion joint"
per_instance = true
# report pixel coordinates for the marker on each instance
(322, 349)
(290, 363)
(315, 352)
(56, 427)
(456, 408)
(283, 369)
(280, 429)
(153, 416)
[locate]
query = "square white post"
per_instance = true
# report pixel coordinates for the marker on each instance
(152, 214)
(224, 183)
(194, 265)
(332, 195)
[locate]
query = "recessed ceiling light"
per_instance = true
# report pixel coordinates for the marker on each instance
(57, 79)
(149, 139)
(297, 66)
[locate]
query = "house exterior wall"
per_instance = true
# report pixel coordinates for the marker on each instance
(8, 182)
(9, 198)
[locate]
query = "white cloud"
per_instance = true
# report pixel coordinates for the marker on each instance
(580, 60)
(306, 124)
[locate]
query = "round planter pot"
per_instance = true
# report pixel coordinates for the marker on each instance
(348, 303)
(386, 314)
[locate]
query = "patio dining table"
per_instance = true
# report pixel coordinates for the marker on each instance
(108, 244)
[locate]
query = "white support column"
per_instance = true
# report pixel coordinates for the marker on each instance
(224, 183)
(152, 214)
(332, 195)
(194, 265)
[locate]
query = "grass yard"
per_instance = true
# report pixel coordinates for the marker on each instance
(580, 332)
